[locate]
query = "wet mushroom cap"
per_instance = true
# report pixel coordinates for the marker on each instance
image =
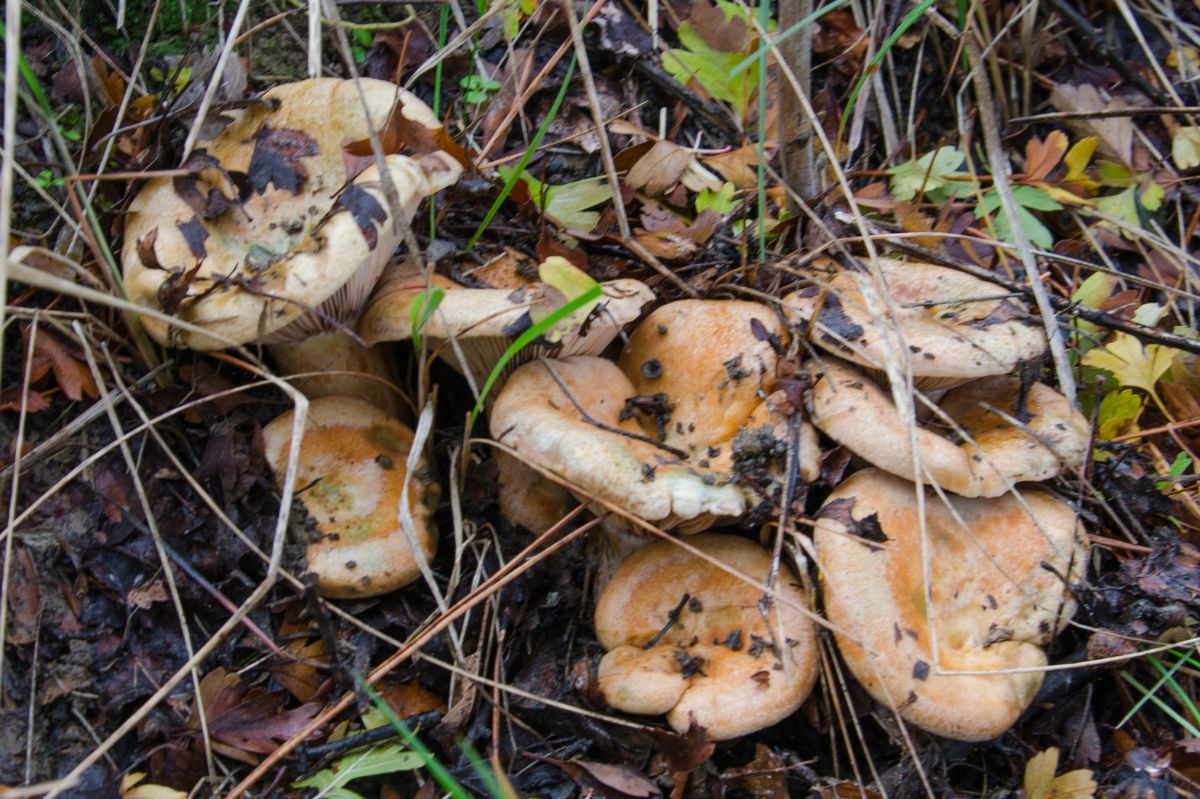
(267, 228)
(350, 478)
(535, 415)
(997, 588)
(851, 409)
(955, 327)
(686, 638)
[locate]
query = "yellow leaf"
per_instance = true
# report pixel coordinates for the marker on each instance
(1077, 160)
(1130, 363)
(131, 789)
(569, 281)
(1065, 197)
(1077, 784)
(1039, 774)
(1185, 147)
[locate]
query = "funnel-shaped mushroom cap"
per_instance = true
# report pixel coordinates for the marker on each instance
(486, 321)
(851, 409)
(269, 229)
(953, 325)
(535, 416)
(688, 639)
(997, 588)
(352, 470)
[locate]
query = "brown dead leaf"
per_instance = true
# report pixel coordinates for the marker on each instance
(71, 374)
(110, 82)
(400, 134)
(617, 782)
(1115, 133)
(1040, 782)
(248, 719)
(685, 752)
(721, 33)
(24, 598)
(660, 168)
(739, 167)
(146, 595)
(12, 398)
(410, 698)
(764, 776)
(913, 221)
(1042, 156)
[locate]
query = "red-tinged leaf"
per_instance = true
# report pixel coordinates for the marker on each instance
(276, 158)
(725, 35)
(250, 719)
(71, 374)
(548, 245)
(616, 782)
(401, 135)
(110, 81)
(114, 489)
(409, 699)
(1042, 156)
(685, 752)
(12, 397)
(146, 595)
(765, 776)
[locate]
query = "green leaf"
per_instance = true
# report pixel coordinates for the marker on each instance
(571, 282)
(1178, 467)
(1027, 197)
(422, 309)
(1118, 411)
(1133, 205)
(712, 69)
(930, 174)
(719, 202)
(567, 203)
(370, 762)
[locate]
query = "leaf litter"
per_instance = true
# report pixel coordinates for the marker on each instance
(1102, 191)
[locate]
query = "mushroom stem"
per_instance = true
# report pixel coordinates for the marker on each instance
(335, 363)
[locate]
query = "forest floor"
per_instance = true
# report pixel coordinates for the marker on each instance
(158, 635)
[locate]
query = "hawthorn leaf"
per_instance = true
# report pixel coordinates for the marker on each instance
(719, 202)
(1040, 782)
(1185, 147)
(1118, 412)
(933, 174)
(1132, 364)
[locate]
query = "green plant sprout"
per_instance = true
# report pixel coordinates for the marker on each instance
(477, 88)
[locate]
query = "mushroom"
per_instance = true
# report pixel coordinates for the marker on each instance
(526, 498)
(997, 452)
(270, 237)
(1001, 571)
(956, 327)
(351, 477)
(686, 638)
(484, 322)
(669, 433)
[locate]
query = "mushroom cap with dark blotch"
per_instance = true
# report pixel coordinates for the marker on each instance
(719, 665)
(536, 418)
(963, 335)
(998, 597)
(352, 471)
(715, 361)
(486, 321)
(851, 409)
(295, 236)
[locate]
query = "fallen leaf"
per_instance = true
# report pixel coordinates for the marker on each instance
(1114, 134)
(1042, 156)
(660, 168)
(249, 719)
(1132, 364)
(146, 595)
(24, 598)
(1185, 147)
(1040, 782)
(739, 166)
(935, 175)
(132, 787)
(71, 374)
(612, 780)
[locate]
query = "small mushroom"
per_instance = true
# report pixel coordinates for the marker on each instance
(484, 322)
(526, 498)
(686, 638)
(1002, 571)
(955, 327)
(999, 449)
(351, 477)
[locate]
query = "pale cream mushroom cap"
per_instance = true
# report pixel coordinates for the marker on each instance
(998, 597)
(265, 264)
(526, 498)
(964, 335)
(352, 469)
(534, 416)
(851, 409)
(720, 664)
(485, 322)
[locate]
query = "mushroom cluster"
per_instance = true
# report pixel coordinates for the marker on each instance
(278, 234)
(967, 634)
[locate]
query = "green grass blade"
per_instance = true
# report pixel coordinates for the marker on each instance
(422, 309)
(439, 772)
(764, 19)
(1148, 694)
(526, 338)
(443, 27)
(1168, 675)
(909, 20)
(527, 157)
(791, 31)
